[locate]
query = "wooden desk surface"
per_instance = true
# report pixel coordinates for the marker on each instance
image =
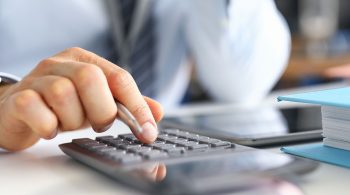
(300, 65)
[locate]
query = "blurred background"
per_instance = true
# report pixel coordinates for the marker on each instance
(320, 41)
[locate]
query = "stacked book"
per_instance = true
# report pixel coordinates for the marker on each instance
(336, 127)
(335, 108)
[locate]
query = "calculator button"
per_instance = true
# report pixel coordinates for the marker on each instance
(140, 150)
(155, 145)
(90, 144)
(198, 146)
(177, 151)
(193, 137)
(105, 150)
(104, 138)
(212, 141)
(137, 142)
(130, 146)
(128, 137)
(183, 134)
(177, 141)
(84, 141)
(162, 137)
(187, 144)
(116, 154)
(164, 146)
(204, 139)
(220, 144)
(129, 158)
(171, 131)
(97, 147)
(117, 143)
(180, 143)
(155, 154)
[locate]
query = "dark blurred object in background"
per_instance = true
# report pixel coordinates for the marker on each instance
(289, 9)
(320, 39)
(307, 67)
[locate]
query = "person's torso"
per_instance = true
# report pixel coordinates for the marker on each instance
(34, 30)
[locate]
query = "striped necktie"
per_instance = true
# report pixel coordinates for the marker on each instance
(142, 55)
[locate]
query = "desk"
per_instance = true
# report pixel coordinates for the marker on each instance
(44, 169)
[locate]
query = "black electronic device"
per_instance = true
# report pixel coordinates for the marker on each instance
(180, 162)
(255, 126)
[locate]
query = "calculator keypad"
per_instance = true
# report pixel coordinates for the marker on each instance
(170, 143)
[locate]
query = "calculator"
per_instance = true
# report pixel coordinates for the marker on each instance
(180, 162)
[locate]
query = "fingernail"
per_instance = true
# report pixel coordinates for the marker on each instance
(149, 131)
(101, 129)
(54, 134)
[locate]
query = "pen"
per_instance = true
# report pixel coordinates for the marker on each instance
(126, 117)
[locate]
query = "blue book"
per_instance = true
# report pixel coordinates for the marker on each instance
(335, 107)
(332, 97)
(319, 152)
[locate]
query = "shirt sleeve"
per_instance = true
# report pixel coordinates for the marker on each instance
(240, 48)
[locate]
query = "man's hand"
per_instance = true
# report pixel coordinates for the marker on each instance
(69, 91)
(342, 71)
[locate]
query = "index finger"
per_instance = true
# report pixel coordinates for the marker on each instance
(123, 88)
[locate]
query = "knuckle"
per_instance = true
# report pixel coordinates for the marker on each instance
(25, 99)
(88, 57)
(123, 79)
(140, 111)
(89, 73)
(82, 55)
(46, 63)
(75, 50)
(46, 128)
(61, 89)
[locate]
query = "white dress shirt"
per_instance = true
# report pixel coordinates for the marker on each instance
(240, 49)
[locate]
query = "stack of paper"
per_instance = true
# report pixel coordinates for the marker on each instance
(336, 127)
(335, 114)
(335, 107)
